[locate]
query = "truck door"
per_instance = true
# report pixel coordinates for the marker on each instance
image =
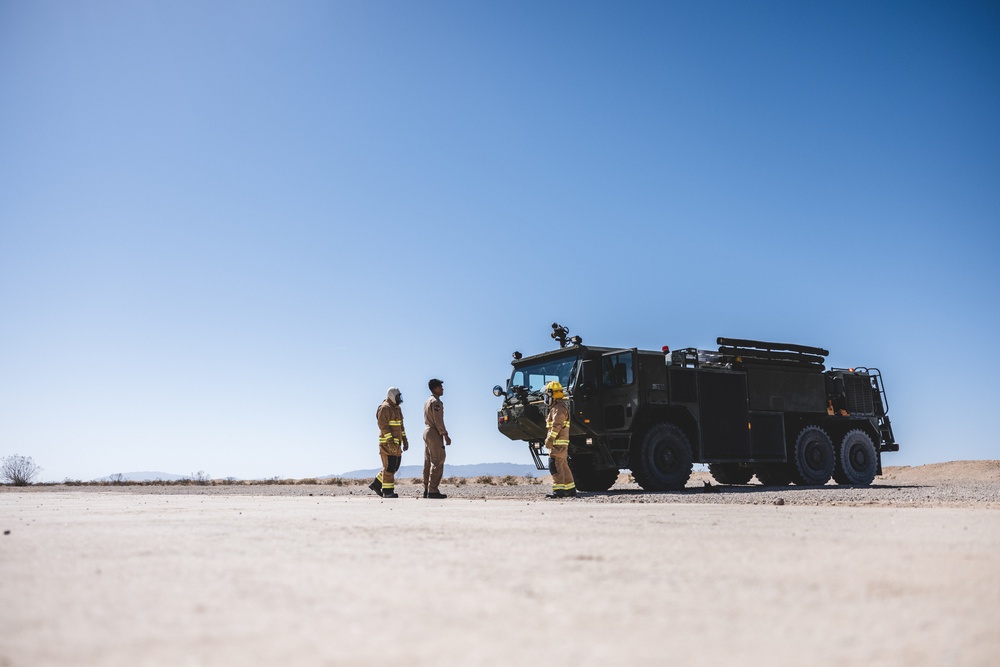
(607, 399)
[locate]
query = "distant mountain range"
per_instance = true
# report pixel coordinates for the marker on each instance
(468, 470)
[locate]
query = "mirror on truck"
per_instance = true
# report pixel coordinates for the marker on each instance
(498, 390)
(588, 373)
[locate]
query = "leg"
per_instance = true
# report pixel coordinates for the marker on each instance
(427, 459)
(435, 457)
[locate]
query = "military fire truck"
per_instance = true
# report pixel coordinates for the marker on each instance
(748, 408)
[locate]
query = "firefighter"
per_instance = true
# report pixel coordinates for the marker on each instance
(557, 442)
(435, 438)
(391, 443)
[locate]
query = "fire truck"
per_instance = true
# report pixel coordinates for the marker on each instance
(748, 408)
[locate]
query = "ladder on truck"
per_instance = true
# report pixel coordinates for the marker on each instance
(889, 443)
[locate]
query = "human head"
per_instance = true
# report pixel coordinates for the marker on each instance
(553, 392)
(394, 396)
(436, 386)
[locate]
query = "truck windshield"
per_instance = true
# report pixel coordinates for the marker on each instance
(537, 375)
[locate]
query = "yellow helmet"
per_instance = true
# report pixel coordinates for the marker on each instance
(554, 389)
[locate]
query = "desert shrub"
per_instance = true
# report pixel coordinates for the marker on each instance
(486, 479)
(309, 480)
(510, 480)
(18, 470)
(118, 479)
(338, 481)
(72, 482)
(534, 480)
(455, 481)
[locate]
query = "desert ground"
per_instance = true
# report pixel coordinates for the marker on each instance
(905, 572)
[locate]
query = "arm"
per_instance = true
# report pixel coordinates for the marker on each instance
(438, 418)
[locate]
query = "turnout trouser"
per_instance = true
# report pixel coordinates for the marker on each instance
(434, 455)
(392, 456)
(562, 477)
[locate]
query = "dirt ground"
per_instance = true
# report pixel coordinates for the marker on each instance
(904, 573)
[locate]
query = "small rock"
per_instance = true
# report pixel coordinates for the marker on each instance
(779, 501)
(6, 532)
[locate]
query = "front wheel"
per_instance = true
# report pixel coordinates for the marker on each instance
(664, 460)
(588, 478)
(773, 474)
(730, 473)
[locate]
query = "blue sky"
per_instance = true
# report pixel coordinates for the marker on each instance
(226, 228)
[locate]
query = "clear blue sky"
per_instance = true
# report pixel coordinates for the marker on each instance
(227, 227)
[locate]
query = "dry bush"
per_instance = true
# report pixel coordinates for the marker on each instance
(510, 480)
(415, 481)
(309, 480)
(486, 479)
(72, 482)
(534, 480)
(18, 470)
(455, 481)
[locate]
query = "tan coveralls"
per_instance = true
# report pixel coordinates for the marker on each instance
(557, 442)
(391, 437)
(434, 452)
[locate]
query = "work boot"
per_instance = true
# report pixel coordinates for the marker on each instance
(437, 495)
(569, 493)
(425, 492)
(556, 494)
(389, 493)
(376, 487)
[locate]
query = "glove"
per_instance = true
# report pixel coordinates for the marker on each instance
(406, 445)
(447, 440)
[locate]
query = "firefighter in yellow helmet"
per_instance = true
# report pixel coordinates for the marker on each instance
(391, 443)
(557, 442)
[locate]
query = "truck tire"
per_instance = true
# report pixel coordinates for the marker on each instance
(773, 474)
(730, 473)
(857, 459)
(664, 459)
(588, 478)
(814, 457)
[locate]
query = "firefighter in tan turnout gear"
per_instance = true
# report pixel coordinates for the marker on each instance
(435, 438)
(391, 443)
(557, 442)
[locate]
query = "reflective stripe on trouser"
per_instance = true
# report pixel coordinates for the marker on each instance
(391, 458)
(562, 477)
(434, 454)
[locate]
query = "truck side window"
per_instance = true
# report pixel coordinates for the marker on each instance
(617, 370)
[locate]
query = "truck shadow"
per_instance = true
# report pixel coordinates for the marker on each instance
(752, 489)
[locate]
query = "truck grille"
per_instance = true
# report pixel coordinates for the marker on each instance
(860, 397)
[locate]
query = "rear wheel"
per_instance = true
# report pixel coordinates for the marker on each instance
(814, 457)
(773, 474)
(663, 461)
(857, 459)
(588, 478)
(730, 473)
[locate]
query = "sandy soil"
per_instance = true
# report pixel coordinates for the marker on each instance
(906, 573)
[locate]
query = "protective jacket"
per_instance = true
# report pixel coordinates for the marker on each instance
(557, 423)
(391, 434)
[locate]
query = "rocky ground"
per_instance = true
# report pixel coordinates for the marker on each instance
(906, 572)
(953, 484)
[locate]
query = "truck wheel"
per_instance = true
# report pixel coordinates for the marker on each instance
(814, 457)
(588, 478)
(730, 473)
(664, 460)
(773, 474)
(857, 459)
